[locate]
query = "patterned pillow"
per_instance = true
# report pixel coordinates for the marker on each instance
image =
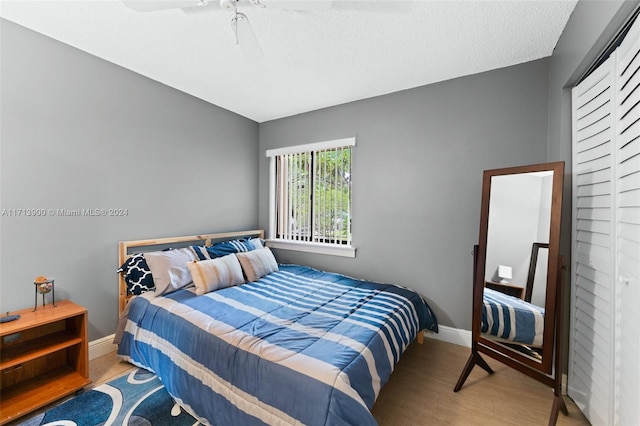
(234, 246)
(137, 275)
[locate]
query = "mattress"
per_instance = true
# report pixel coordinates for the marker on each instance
(299, 346)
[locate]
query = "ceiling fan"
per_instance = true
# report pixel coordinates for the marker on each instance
(243, 32)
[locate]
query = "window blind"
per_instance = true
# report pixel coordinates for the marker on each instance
(313, 194)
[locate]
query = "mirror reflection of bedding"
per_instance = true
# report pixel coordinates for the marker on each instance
(295, 346)
(511, 319)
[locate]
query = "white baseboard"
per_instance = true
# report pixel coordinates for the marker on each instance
(456, 336)
(100, 347)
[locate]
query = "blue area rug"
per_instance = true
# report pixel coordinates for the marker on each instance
(139, 398)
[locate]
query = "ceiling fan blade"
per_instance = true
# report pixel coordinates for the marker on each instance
(298, 4)
(245, 37)
(155, 5)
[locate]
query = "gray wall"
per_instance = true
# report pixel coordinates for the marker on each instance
(417, 175)
(79, 132)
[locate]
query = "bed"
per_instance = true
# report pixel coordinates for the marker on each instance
(511, 319)
(294, 345)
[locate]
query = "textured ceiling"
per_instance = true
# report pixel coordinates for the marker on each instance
(312, 59)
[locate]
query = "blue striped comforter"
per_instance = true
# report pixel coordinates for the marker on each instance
(299, 346)
(513, 319)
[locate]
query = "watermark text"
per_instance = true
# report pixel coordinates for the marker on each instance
(60, 212)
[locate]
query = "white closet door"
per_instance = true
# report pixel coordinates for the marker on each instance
(627, 410)
(591, 346)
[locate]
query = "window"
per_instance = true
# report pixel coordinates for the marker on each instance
(310, 197)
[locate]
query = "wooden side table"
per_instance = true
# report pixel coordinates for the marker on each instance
(509, 289)
(44, 356)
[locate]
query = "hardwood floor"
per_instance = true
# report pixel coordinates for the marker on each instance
(106, 368)
(420, 391)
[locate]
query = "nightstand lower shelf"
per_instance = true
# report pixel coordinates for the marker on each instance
(40, 391)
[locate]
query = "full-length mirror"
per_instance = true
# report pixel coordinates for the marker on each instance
(517, 265)
(516, 286)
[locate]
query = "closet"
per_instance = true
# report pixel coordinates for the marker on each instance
(604, 346)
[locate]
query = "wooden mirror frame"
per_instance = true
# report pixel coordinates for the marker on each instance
(533, 263)
(551, 348)
(546, 365)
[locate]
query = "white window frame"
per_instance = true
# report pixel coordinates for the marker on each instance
(345, 250)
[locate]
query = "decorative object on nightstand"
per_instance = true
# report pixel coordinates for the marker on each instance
(44, 285)
(44, 356)
(505, 274)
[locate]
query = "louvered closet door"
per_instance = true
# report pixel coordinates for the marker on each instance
(627, 411)
(590, 381)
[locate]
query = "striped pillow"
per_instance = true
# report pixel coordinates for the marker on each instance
(213, 274)
(234, 246)
(257, 263)
(200, 252)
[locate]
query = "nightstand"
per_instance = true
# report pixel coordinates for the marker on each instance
(44, 356)
(511, 290)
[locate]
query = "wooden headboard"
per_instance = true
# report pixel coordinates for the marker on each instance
(127, 248)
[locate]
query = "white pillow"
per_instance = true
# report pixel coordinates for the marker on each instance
(257, 263)
(169, 269)
(221, 272)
